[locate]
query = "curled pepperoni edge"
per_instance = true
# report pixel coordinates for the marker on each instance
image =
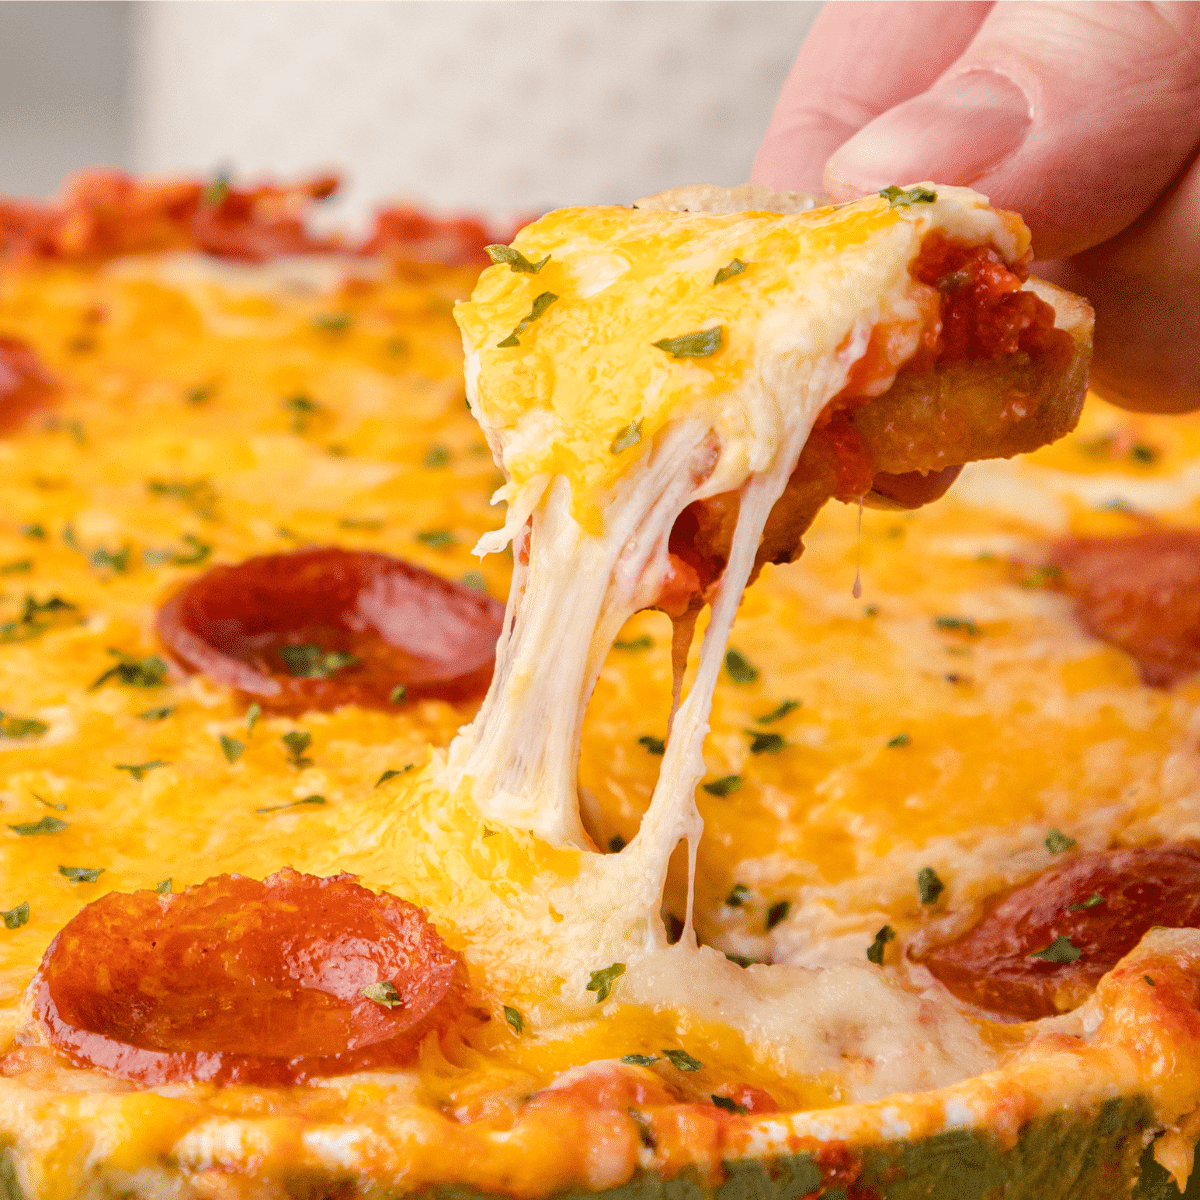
(445, 976)
(208, 608)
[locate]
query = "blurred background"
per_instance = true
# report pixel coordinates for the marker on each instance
(503, 107)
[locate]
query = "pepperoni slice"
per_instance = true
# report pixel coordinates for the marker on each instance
(1140, 594)
(236, 981)
(25, 384)
(1101, 904)
(316, 629)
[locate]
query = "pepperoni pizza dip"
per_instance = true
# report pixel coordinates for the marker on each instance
(324, 873)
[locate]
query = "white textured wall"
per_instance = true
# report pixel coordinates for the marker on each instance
(496, 106)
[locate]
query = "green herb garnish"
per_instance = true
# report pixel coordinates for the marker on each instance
(436, 456)
(629, 436)
(29, 624)
(777, 912)
(148, 672)
(700, 344)
(732, 268)
(333, 322)
(232, 748)
(875, 949)
(777, 714)
(302, 408)
(601, 981)
(21, 727)
(197, 494)
(252, 715)
(314, 662)
(1147, 980)
(653, 745)
(213, 194)
(18, 567)
(540, 304)
(515, 1021)
(382, 992)
(900, 740)
(436, 537)
(155, 714)
(14, 918)
(398, 694)
(200, 395)
(515, 259)
(738, 669)
(742, 960)
(140, 770)
(764, 743)
(315, 801)
(929, 886)
(371, 523)
(729, 1105)
(639, 1060)
(36, 828)
(616, 843)
(81, 874)
(956, 625)
(1061, 950)
(389, 774)
(683, 1061)
(903, 197)
(1091, 902)
(725, 786)
(297, 742)
(34, 531)
(193, 555)
(1057, 841)
(1042, 577)
(738, 895)
(163, 886)
(475, 581)
(645, 642)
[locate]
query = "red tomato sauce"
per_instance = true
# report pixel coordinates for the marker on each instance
(995, 964)
(316, 629)
(26, 387)
(1140, 594)
(236, 981)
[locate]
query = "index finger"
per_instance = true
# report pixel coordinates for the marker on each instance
(859, 60)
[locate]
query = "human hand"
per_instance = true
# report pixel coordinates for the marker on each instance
(1083, 117)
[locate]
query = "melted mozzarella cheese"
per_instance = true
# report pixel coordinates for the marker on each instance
(559, 408)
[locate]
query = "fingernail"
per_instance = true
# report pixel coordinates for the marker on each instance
(954, 133)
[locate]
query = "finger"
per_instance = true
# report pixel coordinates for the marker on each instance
(859, 60)
(1076, 115)
(1145, 288)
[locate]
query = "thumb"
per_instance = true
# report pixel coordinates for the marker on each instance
(1077, 115)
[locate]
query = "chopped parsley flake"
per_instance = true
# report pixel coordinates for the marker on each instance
(436, 456)
(148, 672)
(297, 742)
(901, 739)
(81, 874)
(37, 828)
(1145, 978)
(601, 981)
(700, 344)
(1061, 950)
(725, 786)
(540, 304)
(929, 885)
(1057, 841)
(436, 537)
(616, 843)
(197, 494)
(140, 770)
(18, 567)
(629, 436)
(201, 395)
(21, 727)
(875, 949)
(231, 747)
(163, 887)
(302, 408)
(155, 714)
(515, 1021)
(313, 801)
(956, 625)
(738, 669)
(729, 1105)
(639, 1060)
(333, 322)
(1091, 902)
(31, 623)
(742, 960)
(903, 197)
(34, 531)
(383, 993)
(389, 774)
(738, 895)
(777, 912)
(764, 743)
(194, 553)
(645, 642)
(777, 714)
(252, 715)
(681, 1060)
(1143, 453)
(1042, 577)
(732, 268)
(214, 192)
(14, 918)
(653, 745)
(314, 662)
(516, 261)
(371, 523)
(475, 581)
(398, 694)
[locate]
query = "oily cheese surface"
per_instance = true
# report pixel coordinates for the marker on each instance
(947, 718)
